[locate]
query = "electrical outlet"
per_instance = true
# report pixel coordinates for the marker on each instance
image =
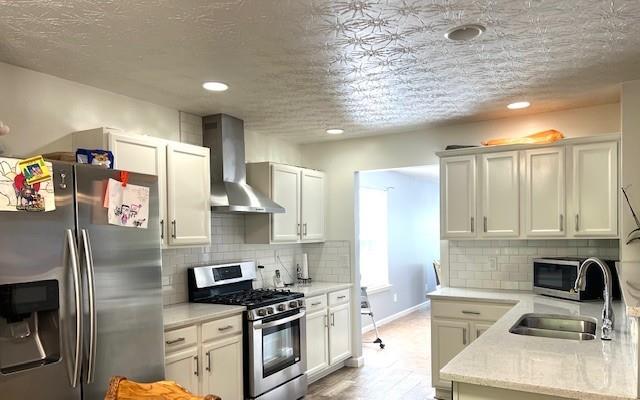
(395, 297)
(493, 264)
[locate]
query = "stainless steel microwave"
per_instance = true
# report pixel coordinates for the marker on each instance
(556, 277)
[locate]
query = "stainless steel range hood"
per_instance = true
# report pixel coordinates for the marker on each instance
(230, 193)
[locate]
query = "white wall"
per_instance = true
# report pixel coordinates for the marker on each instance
(340, 159)
(42, 110)
(264, 148)
(630, 120)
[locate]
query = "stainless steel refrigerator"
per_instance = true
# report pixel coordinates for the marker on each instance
(80, 300)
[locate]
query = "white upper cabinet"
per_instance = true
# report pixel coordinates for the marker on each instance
(500, 194)
(183, 179)
(144, 155)
(312, 205)
(595, 189)
(458, 196)
(544, 192)
(189, 207)
(300, 191)
(565, 190)
(285, 191)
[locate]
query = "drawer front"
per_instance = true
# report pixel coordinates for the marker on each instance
(316, 303)
(180, 338)
(339, 297)
(222, 327)
(468, 310)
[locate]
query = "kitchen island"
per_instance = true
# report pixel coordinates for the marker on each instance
(500, 364)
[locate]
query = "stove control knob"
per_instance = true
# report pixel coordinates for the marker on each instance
(281, 307)
(293, 304)
(269, 310)
(300, 303)
(261, 312)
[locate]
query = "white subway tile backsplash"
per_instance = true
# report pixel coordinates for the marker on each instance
(507, 264)
(329, 261)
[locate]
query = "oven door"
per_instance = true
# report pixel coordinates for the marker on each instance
(277, 347)
(555, 278)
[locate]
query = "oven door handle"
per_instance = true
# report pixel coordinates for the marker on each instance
(260, 325)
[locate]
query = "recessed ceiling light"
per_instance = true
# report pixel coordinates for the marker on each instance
(215, 86)
(335, 131)
(518, 105)
(464, 33)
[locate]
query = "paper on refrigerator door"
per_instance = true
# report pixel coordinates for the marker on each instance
(127, 205)
(17, 195)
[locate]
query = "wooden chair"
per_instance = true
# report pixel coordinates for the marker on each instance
(121, 388)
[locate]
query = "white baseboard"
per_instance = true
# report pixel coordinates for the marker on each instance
(354, 362)
(394, 317)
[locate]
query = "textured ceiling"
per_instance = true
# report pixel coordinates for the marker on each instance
(297, 67)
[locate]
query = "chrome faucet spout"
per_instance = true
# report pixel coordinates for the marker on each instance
(608, 317)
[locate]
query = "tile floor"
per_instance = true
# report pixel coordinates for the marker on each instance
(401, 371)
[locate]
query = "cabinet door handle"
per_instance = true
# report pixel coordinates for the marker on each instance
(485, 224)
(208, 361)
(470, 312)
(472, 224)
(316, 303)
(561, 222)
(298, 229)
(305, 229)
(333, 319)
(197, 371)
(325, 319)
(173, 224)
(464, 336)
(225, 328)
(577, 222)
(175, 341)
(161, 229)
(342, 297)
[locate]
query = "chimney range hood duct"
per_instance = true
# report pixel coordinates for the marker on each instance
(230, 193)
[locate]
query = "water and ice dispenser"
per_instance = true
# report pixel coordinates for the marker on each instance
(29, 325)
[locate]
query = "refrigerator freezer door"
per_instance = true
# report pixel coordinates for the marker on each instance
(34, 247)
(125, 267)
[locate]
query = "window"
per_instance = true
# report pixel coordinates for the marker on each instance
(373, 238)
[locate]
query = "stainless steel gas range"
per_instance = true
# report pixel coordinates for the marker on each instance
(274, 328)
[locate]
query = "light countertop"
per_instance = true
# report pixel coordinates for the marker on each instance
(183, 314)
(592, 369)
(318, 288)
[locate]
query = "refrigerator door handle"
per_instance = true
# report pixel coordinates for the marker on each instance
(88, 254)
(73, 251)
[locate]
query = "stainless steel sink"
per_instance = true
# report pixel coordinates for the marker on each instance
(556, 326)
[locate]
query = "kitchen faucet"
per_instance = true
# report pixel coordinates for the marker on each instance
(607, 312)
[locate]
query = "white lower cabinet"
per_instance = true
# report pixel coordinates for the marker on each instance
(448, 338)
(455, 325)
(207, 358)
(328, 332)
(317, 342)
(182, 367)
(339, 333)
(222, 360)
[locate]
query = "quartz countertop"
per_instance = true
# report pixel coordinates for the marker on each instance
(592, 369)
(183, 314)
(318, 288)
